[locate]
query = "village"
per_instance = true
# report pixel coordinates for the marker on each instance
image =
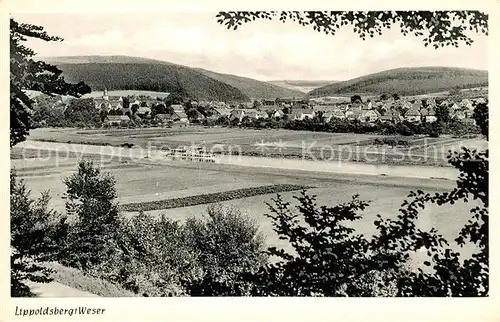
(157, 111)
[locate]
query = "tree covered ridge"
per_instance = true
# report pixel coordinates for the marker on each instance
(153, 77)
(408, 81)
(438, 28)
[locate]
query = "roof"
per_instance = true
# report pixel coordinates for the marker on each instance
(355, 113)
(143, 110)
(182, 115)
(177, 107)
(164, 116)
(237, 113)
(251, 113)
(413, 111)
(118, 118)
(223, 111)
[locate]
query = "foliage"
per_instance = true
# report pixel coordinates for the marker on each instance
(439, 28)
(442, 114)
(356, 99)
(481, 117)
(228, 243)
(91, 204)
(83, 111)
(33, 230)
(28, 74)
(150, 257)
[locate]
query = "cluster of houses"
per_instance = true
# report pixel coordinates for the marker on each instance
(389, 110)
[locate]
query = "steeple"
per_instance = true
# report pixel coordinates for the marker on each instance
(105, 95)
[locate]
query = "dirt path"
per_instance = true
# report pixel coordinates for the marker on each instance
(55, 289)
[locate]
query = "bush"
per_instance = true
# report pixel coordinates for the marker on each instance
(91, 202)
(227, 243)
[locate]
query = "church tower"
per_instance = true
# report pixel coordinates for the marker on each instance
(105, 95)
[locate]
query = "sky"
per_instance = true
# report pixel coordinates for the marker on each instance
(263, 50)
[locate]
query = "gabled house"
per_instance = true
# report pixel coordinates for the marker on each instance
(393, 116)
(459, 115)
(466, 103)
(197, 116)
(221, 111)
(352, 115)
(302, 114)
(262, 115)
(365, 115)
(275, 113)
(428, 114)
(338, 114)
(179, 116)
(480, 100)
(405, 105)
(413, 113)
(237, 115)
(114, 120)
(163, 118)
(177, 108)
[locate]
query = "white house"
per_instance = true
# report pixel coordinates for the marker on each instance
(302, 114)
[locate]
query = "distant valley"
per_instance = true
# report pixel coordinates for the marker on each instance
(303, 86)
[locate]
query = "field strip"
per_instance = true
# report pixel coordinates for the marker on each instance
(209, 198)
(189, 192)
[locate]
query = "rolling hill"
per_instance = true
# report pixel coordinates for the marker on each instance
(303, 86)
(135, 73)
(254, 88)
(130, 73)
(407, 81)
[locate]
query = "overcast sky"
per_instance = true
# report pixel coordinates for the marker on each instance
(264, 50)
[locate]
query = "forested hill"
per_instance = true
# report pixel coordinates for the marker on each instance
(407, 81)
(151, 77)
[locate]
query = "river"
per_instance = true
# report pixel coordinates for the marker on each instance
(341, 167)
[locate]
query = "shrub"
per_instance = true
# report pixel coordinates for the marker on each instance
(91, 202)
(227, 243)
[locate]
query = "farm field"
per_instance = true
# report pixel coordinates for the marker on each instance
(384, 201)
(270, 143)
